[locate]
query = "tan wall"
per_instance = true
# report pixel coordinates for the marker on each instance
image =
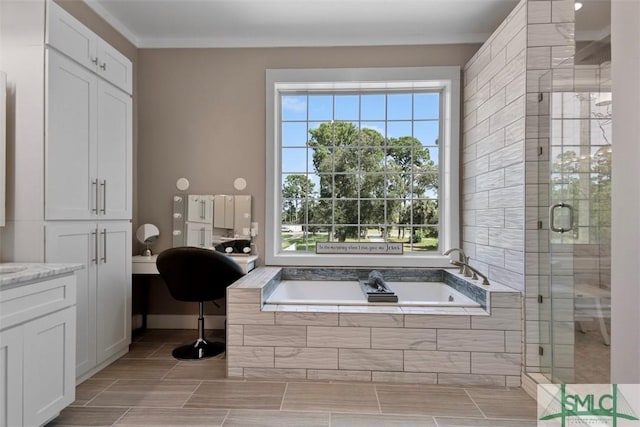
(202, 116)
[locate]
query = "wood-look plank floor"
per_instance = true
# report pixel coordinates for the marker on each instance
(148, 387)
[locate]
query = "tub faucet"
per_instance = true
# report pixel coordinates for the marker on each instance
(464, 261)
(476, 273)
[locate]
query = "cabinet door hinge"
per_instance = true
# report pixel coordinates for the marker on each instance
(540, 96)
(540, 351)
(539, 299)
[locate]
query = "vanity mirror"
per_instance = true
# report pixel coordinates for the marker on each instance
(205, 220)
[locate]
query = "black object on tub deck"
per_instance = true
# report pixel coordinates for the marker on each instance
(376, 290)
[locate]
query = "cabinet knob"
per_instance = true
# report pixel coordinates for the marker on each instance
(103, 66)
(95, 60)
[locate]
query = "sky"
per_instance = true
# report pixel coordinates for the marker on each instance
(406, 115)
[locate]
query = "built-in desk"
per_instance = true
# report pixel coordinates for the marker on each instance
(146, 266)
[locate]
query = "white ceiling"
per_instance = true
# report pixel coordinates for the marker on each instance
(270, 23)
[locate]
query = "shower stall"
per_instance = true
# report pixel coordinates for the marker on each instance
(572, 324)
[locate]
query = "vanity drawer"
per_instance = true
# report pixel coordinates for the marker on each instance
(29, 301)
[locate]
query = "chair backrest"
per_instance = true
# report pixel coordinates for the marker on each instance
(197, 274)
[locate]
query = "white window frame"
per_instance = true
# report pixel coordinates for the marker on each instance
(445, 79)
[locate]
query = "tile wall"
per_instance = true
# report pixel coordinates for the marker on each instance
(506, 158)
(380, 344)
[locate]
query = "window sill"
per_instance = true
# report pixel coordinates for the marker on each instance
(340, 260)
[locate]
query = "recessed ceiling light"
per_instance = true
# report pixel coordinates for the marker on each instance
(578, 5)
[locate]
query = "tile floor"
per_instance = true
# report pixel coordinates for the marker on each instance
(148, 387)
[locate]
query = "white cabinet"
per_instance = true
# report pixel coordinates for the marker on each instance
(199, 234)
(200, 208)
(104, 287)
(88, 144)
(223, 211)
(37, 341)
(78, 42)
(11, 344)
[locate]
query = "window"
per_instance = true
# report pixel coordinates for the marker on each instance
(362, 155)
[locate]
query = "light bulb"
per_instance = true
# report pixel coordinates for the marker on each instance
(577, 5)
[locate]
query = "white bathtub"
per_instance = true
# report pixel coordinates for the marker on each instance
(321, 292)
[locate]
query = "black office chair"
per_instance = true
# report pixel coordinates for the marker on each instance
(196, 274)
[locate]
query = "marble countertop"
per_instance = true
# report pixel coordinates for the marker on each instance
(15, 273)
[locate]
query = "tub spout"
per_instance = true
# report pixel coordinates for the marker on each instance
(464, 261)
(476, 273)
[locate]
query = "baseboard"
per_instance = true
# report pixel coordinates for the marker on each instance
(182, 321)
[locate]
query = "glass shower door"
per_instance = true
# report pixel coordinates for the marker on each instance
(579, 246)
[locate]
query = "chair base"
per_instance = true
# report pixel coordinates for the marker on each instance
(200, 349)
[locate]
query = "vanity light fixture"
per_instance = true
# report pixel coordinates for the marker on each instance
(147, 234)
(578, 5)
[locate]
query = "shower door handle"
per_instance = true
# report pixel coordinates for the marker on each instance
(552, 217)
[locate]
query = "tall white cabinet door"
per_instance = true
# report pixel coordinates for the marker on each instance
(78, 243)
(114, 289)
(11, 355)
(49, 374)
(71, 189)
(114, 152)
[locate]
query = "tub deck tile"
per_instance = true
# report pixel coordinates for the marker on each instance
(379, 320)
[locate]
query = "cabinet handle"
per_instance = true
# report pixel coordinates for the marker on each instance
(95, 60)
(104, 246)
(94, 234)
(103, 66)
(104, 197)
(203, 211)
(95, 204)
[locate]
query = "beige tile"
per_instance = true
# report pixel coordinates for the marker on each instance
(436, 321)
(248, 314)
(275, 373)
(318, 358)
(141, 350)
(505, 300)
(470, 422)
(470, 340)
(330, 397)
(87, 416)
(338, 375)
(177, 336)
(471, 380)
(495, 363)
(404, 377)
(426, 400)
(513, 341)
(371, 420)
(500, 318)
(235, 335)
(155, 393)
(237, 395)
(403, 339)
(513, 381)
(90, 389)
(379, 320)
(235, 372)
(310, 318)
(137, 369)
(376, 360)
(504, 403)
(539, 12)
(164, 352)
(207, 369)
(437, 361)
(550, 34)
(338, 337)
(244, 296)
(247, 418)
(249, 357)
(173, 417)
(276, 336)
